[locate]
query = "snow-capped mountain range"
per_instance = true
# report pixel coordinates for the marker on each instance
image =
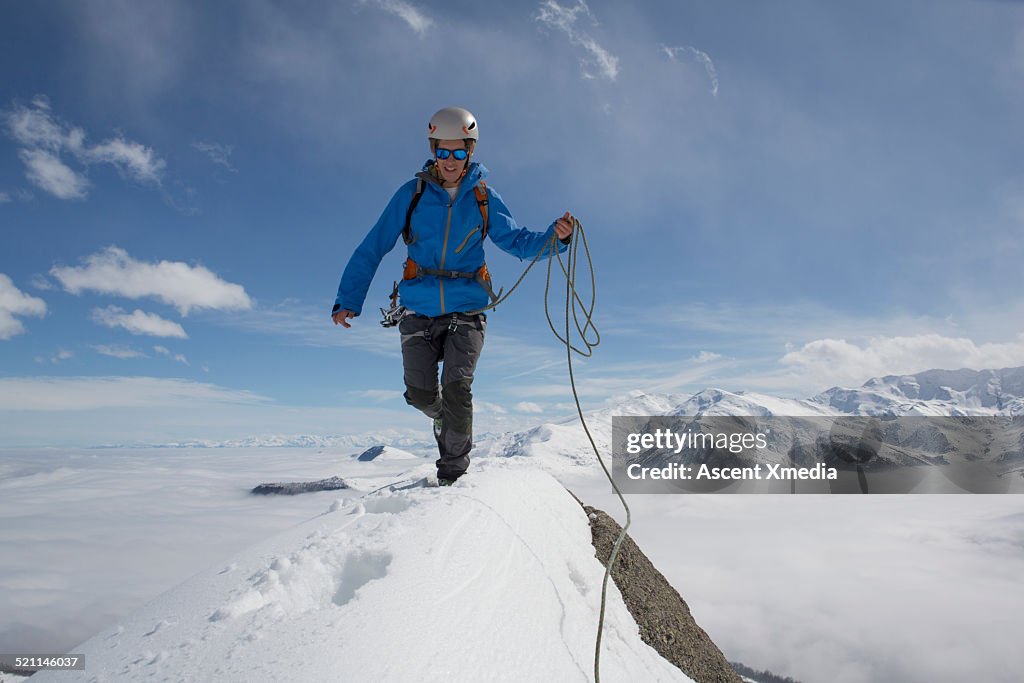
(933, 392)
(807, 438)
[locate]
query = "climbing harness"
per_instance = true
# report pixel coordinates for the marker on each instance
(481, 276)
(412, 270)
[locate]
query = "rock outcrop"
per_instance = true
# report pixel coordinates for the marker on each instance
(661, 613)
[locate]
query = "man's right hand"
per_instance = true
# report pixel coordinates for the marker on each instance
(341, 317)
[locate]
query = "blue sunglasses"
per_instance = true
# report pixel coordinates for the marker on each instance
(459, 154)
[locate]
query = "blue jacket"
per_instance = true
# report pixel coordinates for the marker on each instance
(446, 235)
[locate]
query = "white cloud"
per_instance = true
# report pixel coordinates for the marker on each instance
(405, 11)
(40, 282)
(138, 322)
(706, 357)
(43, 138)
(218, 153)
(487, 407)
(837, 361)
(378, 394)
(113, 271)
(61, 355)
(702, 57)
(34, 126)
(137, 161)
(15, 302)
(528, 407)
(46, 171)
(849, 559)
(87, 393)
(5, 198)
(118, 351)
(164, 351)
(564, 19)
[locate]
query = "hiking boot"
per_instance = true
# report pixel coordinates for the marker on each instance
(445, 482)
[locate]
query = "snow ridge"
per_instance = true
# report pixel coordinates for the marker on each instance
(461, 583)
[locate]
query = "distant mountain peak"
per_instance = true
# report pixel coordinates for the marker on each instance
(933, 392)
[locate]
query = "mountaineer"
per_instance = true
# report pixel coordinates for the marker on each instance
(443, 216)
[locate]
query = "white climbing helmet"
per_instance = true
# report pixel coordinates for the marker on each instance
(453, 123)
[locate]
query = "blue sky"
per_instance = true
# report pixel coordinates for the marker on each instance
(779, 197)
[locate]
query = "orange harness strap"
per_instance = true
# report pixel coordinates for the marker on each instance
(413, 270)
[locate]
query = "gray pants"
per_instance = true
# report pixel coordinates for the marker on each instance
(457, 341)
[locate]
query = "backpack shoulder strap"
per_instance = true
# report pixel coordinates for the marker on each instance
(407, 230)
(481, 202)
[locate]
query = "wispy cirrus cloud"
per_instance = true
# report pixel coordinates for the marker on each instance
(14, 302)
(59, 357)
(138, 322)
(114, 351)
(45, 170)
(407, 12)
(566, 19)
(113, 271)
(44, 138)
(132, 159)
(40, 282)
(87, 393)
(702, 57)
(217, 153)
(706, 357)
(164, 351)
(378, 395)
(310, 325)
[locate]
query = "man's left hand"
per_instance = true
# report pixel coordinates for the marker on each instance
(564, 225)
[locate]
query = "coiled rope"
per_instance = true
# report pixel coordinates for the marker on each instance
(576, 306)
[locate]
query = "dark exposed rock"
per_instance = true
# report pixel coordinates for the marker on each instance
(661, 613)
(370, 453)
(294, 487)
(760, 676)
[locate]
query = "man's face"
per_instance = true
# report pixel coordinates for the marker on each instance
(450, 168)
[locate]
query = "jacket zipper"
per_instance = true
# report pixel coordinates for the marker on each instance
(471, 233)
(444, 248)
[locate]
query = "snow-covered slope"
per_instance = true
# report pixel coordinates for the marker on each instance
(382, 453)
(716, 402)
(466, 583)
